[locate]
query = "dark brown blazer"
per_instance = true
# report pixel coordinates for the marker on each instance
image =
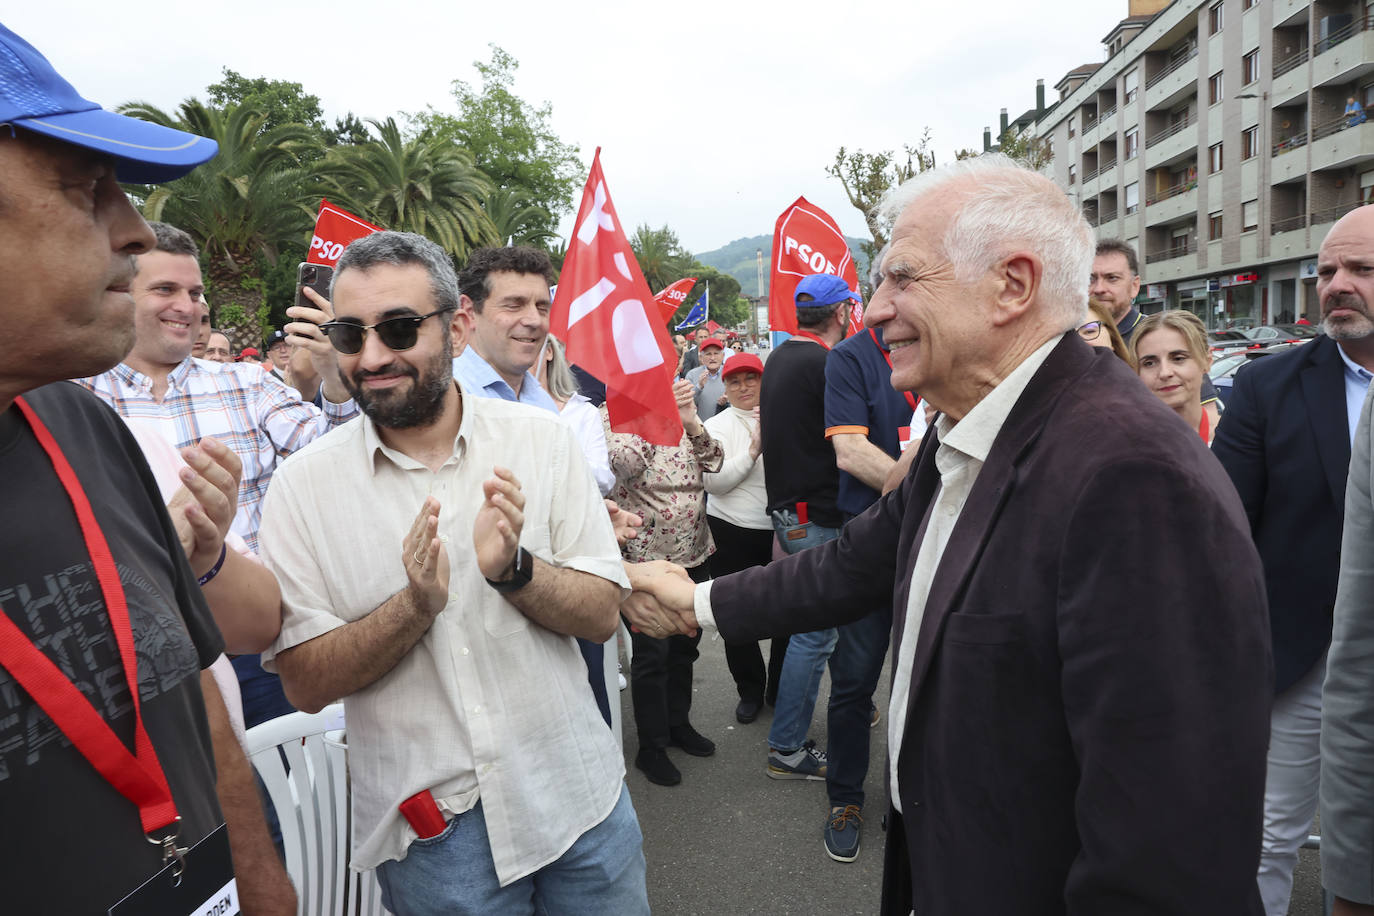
(1090, 697)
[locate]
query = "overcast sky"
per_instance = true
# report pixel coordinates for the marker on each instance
(712, 116)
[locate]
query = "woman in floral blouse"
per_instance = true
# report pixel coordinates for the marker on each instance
(662, 484)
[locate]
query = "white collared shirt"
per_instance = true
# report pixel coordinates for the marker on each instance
(964, 447)
(487, 704)
(1357, 380)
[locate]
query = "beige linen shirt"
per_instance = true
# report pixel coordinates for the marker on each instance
(487, 704)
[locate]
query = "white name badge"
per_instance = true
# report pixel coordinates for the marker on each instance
(206, 887)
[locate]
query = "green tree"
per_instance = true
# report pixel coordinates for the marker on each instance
(661, 257)
(517, 221)
(423, 184)
(280, 102)
(512, 139)
(1026, 147)
(866, 177)
(242, 207)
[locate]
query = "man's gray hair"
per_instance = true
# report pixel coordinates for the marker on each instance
(173, 240)
(1007, 206)
(402, 249)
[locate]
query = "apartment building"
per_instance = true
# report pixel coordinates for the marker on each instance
(1214, 138)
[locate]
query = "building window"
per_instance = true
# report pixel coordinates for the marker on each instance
(1214, 20)
(1214, 226)
(1214, 88)
(1132, 197)
(1249, 142)
(1367, 187)
(1073, 173)
(1249, 215)
(1132, 139)
(1214, 158)
(1071, 130)
(1248, 4)
(1249, 67)
(1132, 83)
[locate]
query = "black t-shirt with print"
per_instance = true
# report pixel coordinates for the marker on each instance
(70, 842)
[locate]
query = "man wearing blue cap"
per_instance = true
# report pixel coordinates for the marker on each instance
(110, 731)
(803, 482)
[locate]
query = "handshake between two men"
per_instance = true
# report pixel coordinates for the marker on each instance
(662, 603)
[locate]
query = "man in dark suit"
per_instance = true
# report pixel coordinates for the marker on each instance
(1285, 441)
(1080, 644)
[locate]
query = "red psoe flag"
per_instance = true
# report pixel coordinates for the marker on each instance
(334, 229)
(603, 312)
(672, 297)
(806, 241)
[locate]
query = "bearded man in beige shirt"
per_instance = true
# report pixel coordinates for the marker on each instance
(437, 558)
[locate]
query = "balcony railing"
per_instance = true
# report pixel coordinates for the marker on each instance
(1357, 25)
(1290, 63)
(1109, 164)
(1337, 125)
(1089, 174)
(1288, 224)
(1107, 113)
(1331, 214)
(1182, 187)
(1154, 80)
(1105, 216)
(1168, 132)
(1177, 251)
(1296, 141)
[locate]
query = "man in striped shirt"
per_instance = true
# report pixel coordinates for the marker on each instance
(239, 404)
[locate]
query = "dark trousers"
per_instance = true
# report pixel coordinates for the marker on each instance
(594, 654)
(737, 549)
(855, 667)
(661, 680)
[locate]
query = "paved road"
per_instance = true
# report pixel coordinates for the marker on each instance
(729, 840)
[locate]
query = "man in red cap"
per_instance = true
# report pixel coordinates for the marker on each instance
(707, 378)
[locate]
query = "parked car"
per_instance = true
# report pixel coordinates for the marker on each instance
(1224, 342)
(1281, 333)
(1224, 368)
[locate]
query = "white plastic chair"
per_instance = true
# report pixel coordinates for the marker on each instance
(309, 789)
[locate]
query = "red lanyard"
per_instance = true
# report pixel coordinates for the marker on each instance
(1205, 427)
(910, 398)
(812, 337)
(139, 776)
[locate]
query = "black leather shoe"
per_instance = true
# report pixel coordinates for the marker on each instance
(747, 711)
(687, 738)
(657, 768)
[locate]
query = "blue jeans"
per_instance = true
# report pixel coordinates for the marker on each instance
(855, 667)
(804, 664)
(453, 873)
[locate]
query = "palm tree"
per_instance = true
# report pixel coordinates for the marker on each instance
(660, 256)
(518, 221)
(240, 207)
(418, 184)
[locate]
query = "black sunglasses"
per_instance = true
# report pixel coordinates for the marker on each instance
(394, 333)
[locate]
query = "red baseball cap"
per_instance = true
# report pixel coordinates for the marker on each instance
(742, 362)
(711, 342)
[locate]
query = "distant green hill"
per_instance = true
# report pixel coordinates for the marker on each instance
(738, 260)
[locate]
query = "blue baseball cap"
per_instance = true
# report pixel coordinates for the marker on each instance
(34, 97)
(825, 289)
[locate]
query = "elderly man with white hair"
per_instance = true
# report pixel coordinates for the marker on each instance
(1080, 645)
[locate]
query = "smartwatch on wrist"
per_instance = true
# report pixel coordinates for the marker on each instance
(520, 574)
